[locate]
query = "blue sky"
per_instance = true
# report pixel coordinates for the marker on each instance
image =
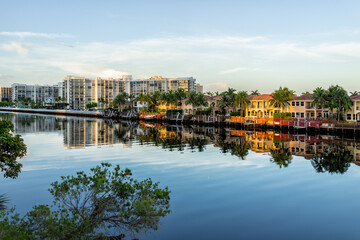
(241, 44)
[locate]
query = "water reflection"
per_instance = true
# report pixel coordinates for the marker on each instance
(327, 153)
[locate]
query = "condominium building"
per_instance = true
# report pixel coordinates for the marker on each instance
(5, 94)
(161, 84)
(198, 88)
(79, 91)
(149, 85)
(37, 93)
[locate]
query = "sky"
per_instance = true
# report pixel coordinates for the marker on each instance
(245, 45)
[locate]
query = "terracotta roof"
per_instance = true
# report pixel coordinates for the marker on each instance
(209, 98)
(261, 97)
(356, 97)
(303, 97)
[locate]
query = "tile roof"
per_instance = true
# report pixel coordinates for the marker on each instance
(356, 97)
(303, 97)
(261, 97)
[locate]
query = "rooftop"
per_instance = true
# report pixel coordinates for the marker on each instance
(303, 97)
(261, 97)
(356, 97)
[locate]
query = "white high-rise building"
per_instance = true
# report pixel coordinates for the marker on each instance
(5, 94)
(37, 93)
(79, 91)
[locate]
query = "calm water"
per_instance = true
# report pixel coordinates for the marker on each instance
(225, 184)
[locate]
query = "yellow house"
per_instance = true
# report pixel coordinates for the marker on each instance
(354, 113)
(260, 106)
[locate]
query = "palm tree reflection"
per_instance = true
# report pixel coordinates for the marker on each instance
(337, 160)
(281, 155)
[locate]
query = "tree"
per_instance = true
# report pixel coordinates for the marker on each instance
(192, 99)
(87, 204)
(12, 147)
(152, 100)
(305, 93)
(228, 99)
(196, 100)
(281, 98)
(180, 95)
(255, 92)
(242, 99)
(320, 98)
(3, 202)
(91, 105)
(354, 93)
(120, 99)
(337, 98)
(201, 101)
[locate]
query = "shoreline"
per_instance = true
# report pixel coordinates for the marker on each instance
(95, 114)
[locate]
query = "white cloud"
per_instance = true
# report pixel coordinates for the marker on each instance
(32, 34)
(234, 70)
(217, 86)
(351, 49)
(213, 60)
(19, 47)
(89, 70)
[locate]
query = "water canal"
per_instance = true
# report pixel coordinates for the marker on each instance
(225, 184)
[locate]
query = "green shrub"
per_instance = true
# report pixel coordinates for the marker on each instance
(285, 115)
(203, 112)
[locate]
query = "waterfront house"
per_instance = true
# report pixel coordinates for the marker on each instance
(354, 113)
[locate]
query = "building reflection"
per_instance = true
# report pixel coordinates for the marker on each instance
(327, 153)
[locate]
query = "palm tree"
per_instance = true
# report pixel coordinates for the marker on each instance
(255, 92)
(201, 101)
(120, 99)
(242, 99)
(305, 93)
(180, 95)
(3, 201)
(228, 99)
(192, 99)
(339, 100)
(282, 97)
(354, 93)
(152, 100)
(320, 98)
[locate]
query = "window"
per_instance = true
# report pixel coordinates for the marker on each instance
(297, 104)
(348, 117)
(293, 115)
(297, 114)
(293, 104)
(312, 114)
(302, 104)
(302, 115)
